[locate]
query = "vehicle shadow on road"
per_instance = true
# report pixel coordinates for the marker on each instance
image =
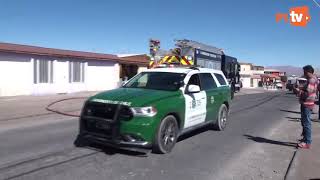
(289, 111)
(194, 133)
(296, 119)
(291, 93)
(269, 141)
(113, 151)
(294, 112)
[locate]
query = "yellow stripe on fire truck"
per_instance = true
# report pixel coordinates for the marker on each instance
(176, 59)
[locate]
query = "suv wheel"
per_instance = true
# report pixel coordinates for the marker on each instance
(222, 118)
(166, 136)
(80, 142)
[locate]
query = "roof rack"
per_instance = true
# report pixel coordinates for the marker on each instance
(176, 65)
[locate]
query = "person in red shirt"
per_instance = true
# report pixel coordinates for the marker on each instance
(307, 97)
(319, 98)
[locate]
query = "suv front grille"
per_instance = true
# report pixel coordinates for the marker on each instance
(100, 110)
(104, 119)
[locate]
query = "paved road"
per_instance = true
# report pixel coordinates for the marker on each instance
(44, 149)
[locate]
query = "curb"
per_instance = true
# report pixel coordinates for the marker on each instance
(290, 174)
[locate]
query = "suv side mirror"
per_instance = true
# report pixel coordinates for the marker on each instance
(193, 88)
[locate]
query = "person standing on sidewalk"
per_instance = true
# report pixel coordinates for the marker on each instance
(307, 97)
(318, 99)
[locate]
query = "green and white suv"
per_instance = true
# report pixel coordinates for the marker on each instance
(155, 107)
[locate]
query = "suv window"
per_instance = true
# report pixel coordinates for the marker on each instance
(156, 80)
(142, 81)
(220, 79)
(207, 81)
(194, 80)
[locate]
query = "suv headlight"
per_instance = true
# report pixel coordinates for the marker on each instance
(144, 111)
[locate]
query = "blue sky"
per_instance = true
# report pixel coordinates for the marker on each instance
(245, 29)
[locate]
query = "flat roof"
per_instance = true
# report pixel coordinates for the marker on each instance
(272, 70)
(36, 50)
(244, 63)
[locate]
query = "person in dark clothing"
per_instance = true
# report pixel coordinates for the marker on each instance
(307, 97)
(318, 99)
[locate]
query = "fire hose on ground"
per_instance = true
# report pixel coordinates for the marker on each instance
(49, 107)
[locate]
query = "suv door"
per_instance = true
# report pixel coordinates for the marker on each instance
(224, 88)
(209, 85)
(195, 104)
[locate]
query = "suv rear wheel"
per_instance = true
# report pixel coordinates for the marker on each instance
(222, 118)
(166, 136)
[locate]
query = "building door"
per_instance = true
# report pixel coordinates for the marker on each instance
(61, 76)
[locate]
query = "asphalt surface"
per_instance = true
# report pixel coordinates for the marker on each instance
(46, 151)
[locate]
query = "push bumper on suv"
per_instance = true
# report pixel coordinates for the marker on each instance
(100, 123)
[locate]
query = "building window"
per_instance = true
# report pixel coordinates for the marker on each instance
(42, 71)
(76, 71)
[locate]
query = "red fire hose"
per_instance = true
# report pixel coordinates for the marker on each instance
(63, 113)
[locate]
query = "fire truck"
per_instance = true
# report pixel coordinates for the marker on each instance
(192, 53)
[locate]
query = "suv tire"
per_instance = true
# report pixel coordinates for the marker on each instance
(221, 122)
(166, 136)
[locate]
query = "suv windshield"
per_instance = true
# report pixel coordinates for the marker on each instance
(157, 80)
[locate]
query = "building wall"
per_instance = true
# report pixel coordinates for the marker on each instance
(140, 69)
(102, 75)
(245, 82)
(245, 67)
(248, 82)
(255, 82)
(245, 72)
(15, 74)
(249, 75)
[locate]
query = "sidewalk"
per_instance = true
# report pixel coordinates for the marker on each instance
(28, 106)
(245, 91)
(306, 164)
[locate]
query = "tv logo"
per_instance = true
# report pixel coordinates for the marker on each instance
(299, 16)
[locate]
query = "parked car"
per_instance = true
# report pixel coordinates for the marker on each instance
(155, 107)
(290, 84)
(300, 83)
(278, 85)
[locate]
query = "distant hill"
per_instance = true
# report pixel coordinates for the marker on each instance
(290, 70)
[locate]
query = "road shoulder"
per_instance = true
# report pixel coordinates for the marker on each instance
(306, 163)
(268, 157)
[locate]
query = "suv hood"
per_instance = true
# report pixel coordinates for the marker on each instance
(135, 97)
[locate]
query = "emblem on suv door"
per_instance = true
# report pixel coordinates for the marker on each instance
(212, 99)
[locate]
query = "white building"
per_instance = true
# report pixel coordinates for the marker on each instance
(30, 70)
(250, 75)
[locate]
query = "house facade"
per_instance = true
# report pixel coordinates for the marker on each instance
(30, 70)
(250, 75)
